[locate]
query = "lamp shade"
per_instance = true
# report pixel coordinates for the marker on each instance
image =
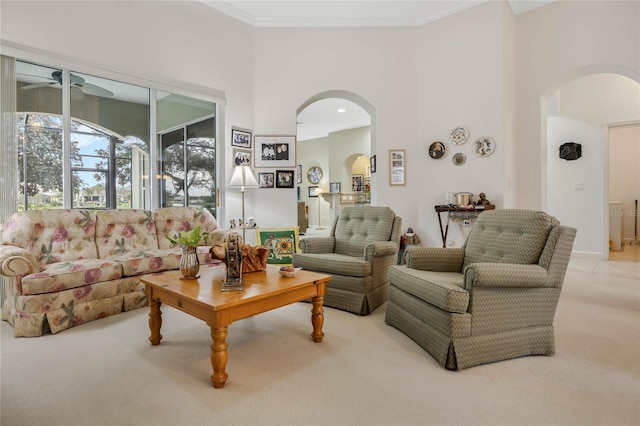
(243, 177)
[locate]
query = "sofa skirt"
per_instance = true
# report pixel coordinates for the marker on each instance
(33, 315)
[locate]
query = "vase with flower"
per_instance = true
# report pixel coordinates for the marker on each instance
(188, 242)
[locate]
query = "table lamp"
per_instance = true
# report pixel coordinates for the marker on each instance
(243, 178)
(318, 193)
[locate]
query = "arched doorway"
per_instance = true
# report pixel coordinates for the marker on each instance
(580, 108)
(334, 129)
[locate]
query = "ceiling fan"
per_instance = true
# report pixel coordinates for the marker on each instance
(76, 82)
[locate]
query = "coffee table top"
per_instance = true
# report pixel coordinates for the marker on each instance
(206, 288)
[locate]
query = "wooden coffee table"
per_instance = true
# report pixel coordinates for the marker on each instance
(202, 298)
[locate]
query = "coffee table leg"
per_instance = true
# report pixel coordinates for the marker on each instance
(155, 321)
(317, 318)
(219, 356)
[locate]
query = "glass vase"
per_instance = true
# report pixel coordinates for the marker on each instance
(189, 264)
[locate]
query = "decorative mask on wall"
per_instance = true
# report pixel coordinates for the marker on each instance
(570, 151)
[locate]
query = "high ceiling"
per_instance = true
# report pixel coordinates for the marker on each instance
(321, 118)
(358, 13)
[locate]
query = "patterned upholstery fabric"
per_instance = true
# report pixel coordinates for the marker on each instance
(53, 235)
(68, 267)
(362, 244)
(499, 305)
(173, 220)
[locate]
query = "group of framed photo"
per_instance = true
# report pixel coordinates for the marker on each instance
(267, 152)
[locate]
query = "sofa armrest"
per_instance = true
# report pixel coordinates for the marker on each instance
(380, 248)
(505, 275)
(218, 236)
(318, 245)
(17, 261)
(436, 259)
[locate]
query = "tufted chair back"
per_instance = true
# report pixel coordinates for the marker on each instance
(358, 226)
(508, 236)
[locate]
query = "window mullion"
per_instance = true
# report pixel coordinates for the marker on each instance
(67, 184)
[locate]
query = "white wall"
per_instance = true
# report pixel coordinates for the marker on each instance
(555, 44)
(462, 83)
(378, 64)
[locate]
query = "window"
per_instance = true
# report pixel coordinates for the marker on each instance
(105, 161)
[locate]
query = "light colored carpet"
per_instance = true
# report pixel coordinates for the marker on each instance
(363, 373)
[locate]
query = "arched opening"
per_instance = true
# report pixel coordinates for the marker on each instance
(582, 107)
(336, 129)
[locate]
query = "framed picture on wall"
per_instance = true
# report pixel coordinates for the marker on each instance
(241, 157)
(334, 187)
(299, 173)
(274, 151)
(372, 163)
(241, 138)
(357, 183)
(266, 180)
(284, 179)
(397, 167)
(312, 191)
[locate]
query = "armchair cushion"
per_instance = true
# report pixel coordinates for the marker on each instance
(358, 226)
(334, 263)
(508, 236)
(441, 289)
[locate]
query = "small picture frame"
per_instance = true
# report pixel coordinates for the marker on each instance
(266, 180)
(274, 151)
(312, 192)
(357, 183)
(372, 164)
(299, 173)
(284, 179)
(397, 167)
(241, 157)
(241, 138)
(334, 187)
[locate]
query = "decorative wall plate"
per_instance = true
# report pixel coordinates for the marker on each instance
(314, 174)
(437, 150)
(459, 159)
(484, 146)
(459, 135)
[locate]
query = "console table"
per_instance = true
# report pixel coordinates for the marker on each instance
(471, 212)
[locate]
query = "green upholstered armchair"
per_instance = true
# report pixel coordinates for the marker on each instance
(362, 244)
(490, 300)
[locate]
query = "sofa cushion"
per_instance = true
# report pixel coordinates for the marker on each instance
(122, 231)
(442, 289)
(71, 274)
(173, 220)
(334, 263)
(53, 235)
(358, 226)
(144, 262)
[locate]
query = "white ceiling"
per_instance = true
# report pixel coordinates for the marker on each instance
(351, 13)
(320, 118)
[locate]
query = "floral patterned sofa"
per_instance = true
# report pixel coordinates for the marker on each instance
(64, 268)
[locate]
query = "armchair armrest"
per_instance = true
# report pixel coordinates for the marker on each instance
(17, 261)
(318, 245)
(380, 248)
(436, 259)
(505, 275)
